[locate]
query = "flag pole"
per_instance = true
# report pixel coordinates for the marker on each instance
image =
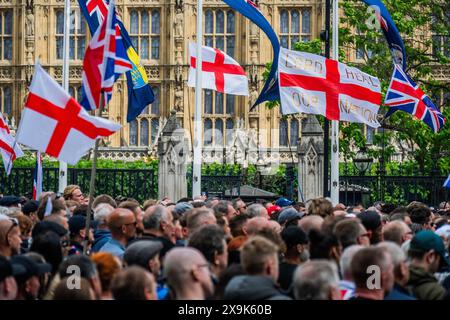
(326, 126)
(334, 188)
(65, 83)
(97, 113)
(197, 159)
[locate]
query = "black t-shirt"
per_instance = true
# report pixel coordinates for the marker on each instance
(286, 275)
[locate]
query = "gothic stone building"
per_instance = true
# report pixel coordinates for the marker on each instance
(161, 31)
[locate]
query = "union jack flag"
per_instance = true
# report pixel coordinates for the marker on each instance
(405, 95)
(105, 60)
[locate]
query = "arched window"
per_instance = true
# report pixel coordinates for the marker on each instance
(6, 34)
(134, 22)
(145, 23)
(156, 102)
(283, 132)
(155, 128)
(133, 133)
(208, 102)
(7, 100)
(145, 32)
(209, 22)
(294, 132)
(219, 103)
(59, 33)
(230, 21)
(218, 132)
(306, 21)
(230, 132)
(284, 21)
(80, 93)
(144, 132)
(230, 104)
(219, 21)
(207, 132)
(295, 27)
(155, 34)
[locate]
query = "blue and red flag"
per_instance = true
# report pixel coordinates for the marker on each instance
(105, 60)
(390, 31)
(38, 177)
(249, 9)
(405, 95)
(140, 94)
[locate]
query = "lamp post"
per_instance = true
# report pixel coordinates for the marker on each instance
(362, 162)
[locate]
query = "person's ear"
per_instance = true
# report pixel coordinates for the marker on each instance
(82, 233)
(300, 248)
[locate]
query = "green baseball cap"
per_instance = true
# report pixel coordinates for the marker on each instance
(426, 240)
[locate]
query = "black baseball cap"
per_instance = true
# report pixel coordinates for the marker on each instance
(371, 220)
(78, 222)
(32, 268)
(7, 201)
(293, 236)
(45, 226)
(30, 206)
(8, 269)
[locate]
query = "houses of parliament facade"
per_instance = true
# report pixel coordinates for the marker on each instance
(161, 31)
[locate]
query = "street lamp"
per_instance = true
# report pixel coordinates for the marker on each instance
(362, 162)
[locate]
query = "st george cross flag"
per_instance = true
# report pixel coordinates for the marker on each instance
(38, 177)
(140, 95)
(53, 122)
(250, 10)
(447, 182)
(9, 147)
(312, 84)
(405, 95)
(220, 72)
(104, 61)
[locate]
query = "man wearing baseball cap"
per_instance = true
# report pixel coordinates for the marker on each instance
(8, 285)
(28, 282)
(428, 254)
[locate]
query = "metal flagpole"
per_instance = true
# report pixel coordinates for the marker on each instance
(326, 127)
(97, 113)
(197, 161)
(335, 124)
(65, 83)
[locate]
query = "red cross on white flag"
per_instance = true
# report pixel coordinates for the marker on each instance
(220, 72)
(312, 84)
(9, 148)
(53, 122)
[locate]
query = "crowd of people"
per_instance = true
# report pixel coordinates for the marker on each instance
(208, 248)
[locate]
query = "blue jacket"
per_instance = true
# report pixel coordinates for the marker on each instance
(399, 293)
(100, 238)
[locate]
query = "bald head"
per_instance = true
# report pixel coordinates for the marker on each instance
(310, 222)
(397, 231)
(118, 218)
(256, 224)
(187, 273)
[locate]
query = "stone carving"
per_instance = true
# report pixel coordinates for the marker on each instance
(178, 23)
(310, 159)
(6, 73)
(173, 148)
(29, 23)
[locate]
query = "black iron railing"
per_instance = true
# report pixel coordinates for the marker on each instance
(140, 184)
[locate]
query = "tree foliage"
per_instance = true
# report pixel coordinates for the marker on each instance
(417, 21)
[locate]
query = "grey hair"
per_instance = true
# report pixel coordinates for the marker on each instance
(102, 212)
(152, 219)
(4, 211)
(255, 210)
(394, 250)
(314, 279)
(346, 259)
